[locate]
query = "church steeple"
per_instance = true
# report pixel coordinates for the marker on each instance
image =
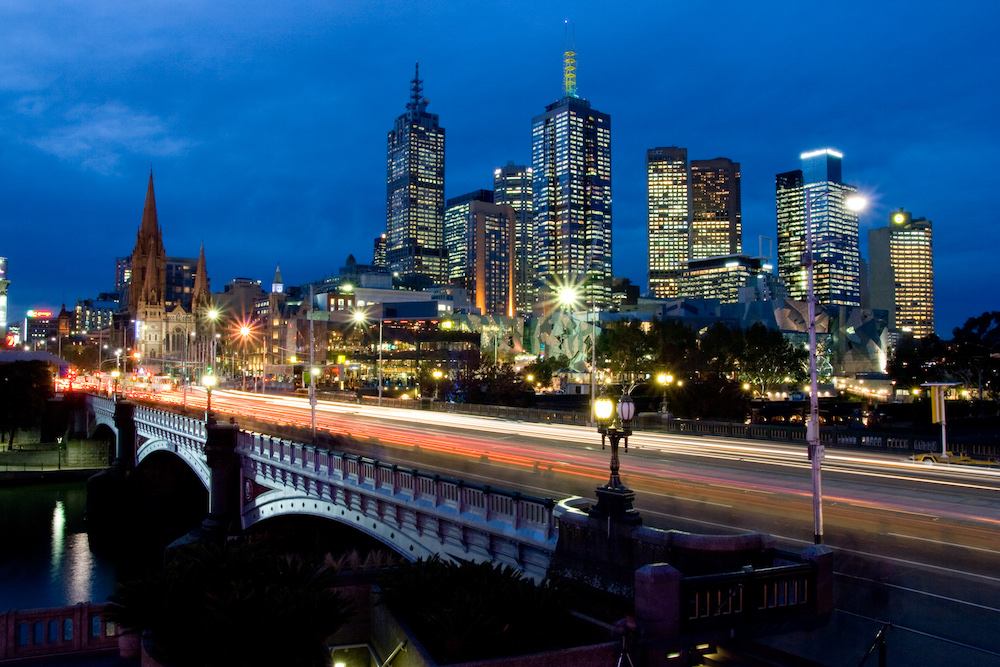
(148, 283)
(277, 287)
(201, 297)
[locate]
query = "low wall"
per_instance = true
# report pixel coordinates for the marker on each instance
(79, 629)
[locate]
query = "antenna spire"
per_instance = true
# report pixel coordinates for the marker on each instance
(569, 64)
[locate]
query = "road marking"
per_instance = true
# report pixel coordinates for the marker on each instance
(690, 500)
(947, 544)
(919, 592)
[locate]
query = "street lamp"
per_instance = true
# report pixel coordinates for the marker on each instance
(614, 499)
(359, 317)
(208, 381)
(815, 446)
(244, 334)
(569, 296)
(664, 379)
(437, 381)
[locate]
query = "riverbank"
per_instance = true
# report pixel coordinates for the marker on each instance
(46, 476)
(31, 460)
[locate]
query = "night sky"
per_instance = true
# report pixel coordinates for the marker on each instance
(265, 122)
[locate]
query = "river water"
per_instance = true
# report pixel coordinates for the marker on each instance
(45, 555)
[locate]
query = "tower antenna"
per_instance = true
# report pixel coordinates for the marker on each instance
(569, 64)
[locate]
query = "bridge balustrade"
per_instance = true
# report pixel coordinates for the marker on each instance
(751, 596)
(55, 631)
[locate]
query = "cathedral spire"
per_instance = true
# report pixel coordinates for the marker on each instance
(201, 297)
(150, 292)
(277, 286)
(149, 228)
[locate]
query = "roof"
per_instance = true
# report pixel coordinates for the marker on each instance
(10, 356)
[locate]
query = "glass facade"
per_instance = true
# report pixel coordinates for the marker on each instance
(716, 221)
(719, 277)
(901, 256)
(479, 237)
(837, 261)
(668, 203)
(512, 186)
(571, 197)
(415, 192)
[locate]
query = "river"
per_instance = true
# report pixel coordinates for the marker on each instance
(46, 558)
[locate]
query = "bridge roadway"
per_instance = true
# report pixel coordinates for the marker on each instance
(917, 545)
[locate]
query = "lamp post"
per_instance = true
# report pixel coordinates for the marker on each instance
(437, 381)
(664, 379)
(361, 317)
(814, 444)
(569, 296)
(244, 334)
(208, 381)
(614, 499)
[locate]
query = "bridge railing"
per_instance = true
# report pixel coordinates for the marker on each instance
(752, 596)
(56, 631)
(499, 507)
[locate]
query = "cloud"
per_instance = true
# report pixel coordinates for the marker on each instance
(97, 136)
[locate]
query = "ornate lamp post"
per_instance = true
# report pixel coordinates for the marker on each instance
(664, 379)
(614, 499)
(437, 381)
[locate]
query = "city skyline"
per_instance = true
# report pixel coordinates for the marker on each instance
(266, 130)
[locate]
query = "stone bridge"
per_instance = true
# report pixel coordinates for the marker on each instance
(252, 477)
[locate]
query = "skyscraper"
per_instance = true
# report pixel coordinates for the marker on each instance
(512, 186)
(571, 196)
(3, 295)
(716, 222)
(817, 190)
(415, 193)
(901, 261)
(693, 212)
(668, 206)
(479, 237)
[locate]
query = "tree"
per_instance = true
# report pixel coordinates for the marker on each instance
(915, 361)
(974, 354)
(472, 611)
(234, 604)
(497, 384)
(626, 347)
(24, 388)
(544, 368)
(720, 350)
(768, 357)
(674, 347)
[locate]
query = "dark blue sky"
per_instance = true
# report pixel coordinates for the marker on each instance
(265, 123)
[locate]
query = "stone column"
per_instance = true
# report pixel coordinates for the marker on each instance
(110, 506)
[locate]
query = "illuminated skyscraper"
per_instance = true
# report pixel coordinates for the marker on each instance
(512, 186)
(837, 262)
(571, 196)
(693, 212)
(479, 236)
(415, 193)
(716, 224)
(668, 205)
(901, 261)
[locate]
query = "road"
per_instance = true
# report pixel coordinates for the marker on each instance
(917, 545)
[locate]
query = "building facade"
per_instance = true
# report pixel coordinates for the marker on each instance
(415, 193)
(668, 207)
(4, 283)
(901, 276)
(720, 278)
(512, 186)
(479, 238)
(817, 193)
(716, 218)
(571, 197)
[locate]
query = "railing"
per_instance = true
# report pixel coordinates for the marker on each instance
(751, 596)
(56, 631)
(480, 503)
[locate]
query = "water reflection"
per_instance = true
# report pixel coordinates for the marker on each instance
(45, 556)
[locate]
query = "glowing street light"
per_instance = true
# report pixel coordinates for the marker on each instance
(568, 296)
(360, 317)
(614, 499)
(664, 379)
(814, 444)
(437, 381)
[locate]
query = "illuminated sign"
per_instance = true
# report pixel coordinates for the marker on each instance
(899, 218)
(39, 313)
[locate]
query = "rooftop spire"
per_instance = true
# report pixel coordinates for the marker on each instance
(569, 64)
(417, 104)
(201, 295)
(149, 228)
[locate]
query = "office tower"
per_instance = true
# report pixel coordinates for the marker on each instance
(668, 206)
(415, 193)
(693, 212)
(901, 264)
(479, 238)
(720, 277)
(716, 224)
(571, 196)
(378, 258)
(818, 192)
(4, 283)
(512, 186)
